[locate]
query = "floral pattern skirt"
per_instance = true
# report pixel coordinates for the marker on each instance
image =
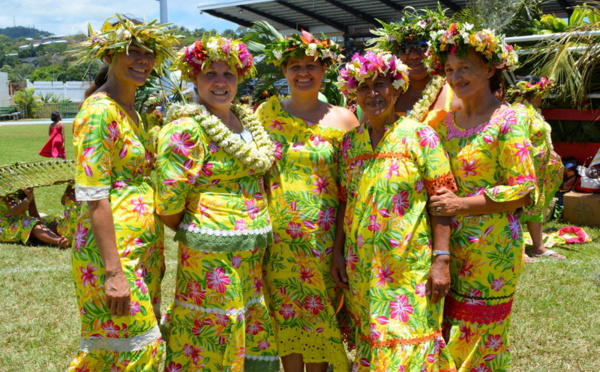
(219, 320)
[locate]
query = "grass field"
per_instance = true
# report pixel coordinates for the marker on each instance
(555, 325)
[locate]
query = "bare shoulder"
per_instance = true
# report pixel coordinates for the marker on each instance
(340, 117)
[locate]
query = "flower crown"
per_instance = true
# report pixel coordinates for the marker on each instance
(201, 54)
(459, 38)
(118, 33)
(371, 65)
(414, 25)
(526, 90)
(279, 52)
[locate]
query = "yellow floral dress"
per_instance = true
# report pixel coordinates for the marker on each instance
(548, 168)
(388, 247)
(68, 223)
(303, 206)
(486, 260)
(113, 161)
(219, 320)
(15, 229)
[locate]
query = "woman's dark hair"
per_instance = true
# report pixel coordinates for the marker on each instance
(497, 81)
(55, 116)
(99, 80)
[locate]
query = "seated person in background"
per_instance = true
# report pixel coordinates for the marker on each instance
(68, 222)
(19, 219)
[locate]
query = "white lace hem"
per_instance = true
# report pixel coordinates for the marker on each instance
(120, 345)
(195, 229)
(216, 310)
(262, 357)
(87, 193)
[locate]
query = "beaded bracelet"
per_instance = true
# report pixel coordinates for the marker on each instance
(440, 253)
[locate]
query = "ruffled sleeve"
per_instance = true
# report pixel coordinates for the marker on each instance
(181, 154)
(95, 131)
(432, 161)
(516, 176)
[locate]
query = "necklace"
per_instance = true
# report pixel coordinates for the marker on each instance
(239, 146)
(430, 93)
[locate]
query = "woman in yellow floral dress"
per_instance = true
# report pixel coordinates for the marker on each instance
(117, 232)
(427, 97)
(389, 255)
(489, 150)
(212, 156)
(528, 93)
(303, 205)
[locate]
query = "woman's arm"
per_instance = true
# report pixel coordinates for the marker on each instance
(438, 280)
(172, 221)
(16, 208)
(116, 286)
(338, 262)
(446, 203)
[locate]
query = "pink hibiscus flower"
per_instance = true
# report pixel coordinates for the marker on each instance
(384, 275)
(293, 230)
(287, 311)
(80, 237)
(111, 329)
(326, 218)
(401, 308)
(251, 208)
(428, 137)
(218, 280)
(139, 206)
(196, 292)
(393, 169)
(321, 184)
(494, 342)
(181, 143)
(314, 304)
(400, 203)
(88, 276)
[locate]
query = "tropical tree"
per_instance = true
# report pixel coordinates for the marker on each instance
(27, 102)
(572, 58)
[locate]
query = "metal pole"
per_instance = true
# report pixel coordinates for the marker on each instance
(164, 14)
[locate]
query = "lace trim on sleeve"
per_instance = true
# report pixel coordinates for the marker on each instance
(86, 193)
(435, 184)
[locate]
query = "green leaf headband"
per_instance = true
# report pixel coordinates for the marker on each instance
(116, 36)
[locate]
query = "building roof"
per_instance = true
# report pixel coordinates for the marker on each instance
(352, 18)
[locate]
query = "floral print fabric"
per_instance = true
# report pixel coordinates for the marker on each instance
(219, 320)
(15, 229)
(388, 247)
(114, 153)
(303, 205)
(486, 260)
(549, 171)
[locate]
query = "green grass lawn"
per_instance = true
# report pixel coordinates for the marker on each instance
(555, 324)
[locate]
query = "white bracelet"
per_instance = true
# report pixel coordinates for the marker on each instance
(441, 253)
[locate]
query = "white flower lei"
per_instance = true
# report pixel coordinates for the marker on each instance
(430, 93)
(258, 159)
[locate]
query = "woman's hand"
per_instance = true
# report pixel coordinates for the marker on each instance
(438, 280)
(28, 191)
(445, 203)
(118, 294)
(338, 270)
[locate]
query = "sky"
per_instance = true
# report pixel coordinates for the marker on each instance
(70, 17)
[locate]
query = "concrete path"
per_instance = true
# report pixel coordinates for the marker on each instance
(33, 122)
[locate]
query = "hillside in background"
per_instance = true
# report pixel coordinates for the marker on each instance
(22, 31)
